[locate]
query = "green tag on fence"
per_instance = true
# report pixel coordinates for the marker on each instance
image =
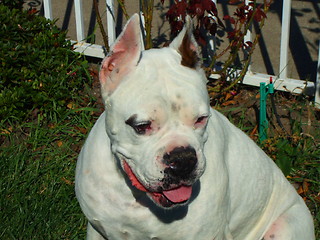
(263, 122)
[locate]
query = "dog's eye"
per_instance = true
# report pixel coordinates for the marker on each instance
(201, 121)
(142, 128)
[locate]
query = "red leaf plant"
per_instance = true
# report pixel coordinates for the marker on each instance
(207, 22)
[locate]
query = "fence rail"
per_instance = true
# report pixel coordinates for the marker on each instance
(281, 82)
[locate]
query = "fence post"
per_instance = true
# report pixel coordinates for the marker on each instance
(284, 44)
(317, 83)
(212, 39)
(47, 9)
(110, 22)
(247, 37)
(79, 20)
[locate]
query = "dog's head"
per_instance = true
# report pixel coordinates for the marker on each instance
(157, 109)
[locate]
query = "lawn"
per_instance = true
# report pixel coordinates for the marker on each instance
(37, 178)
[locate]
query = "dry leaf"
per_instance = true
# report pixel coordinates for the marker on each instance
(51, 125)
(70, 105)
(254, 131)
(59, 143)
(304, 187)
(6, 131)
(231, 102)
(67, 181)
(82, 130)
(228, 96)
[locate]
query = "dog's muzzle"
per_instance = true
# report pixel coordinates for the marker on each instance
(179, 175)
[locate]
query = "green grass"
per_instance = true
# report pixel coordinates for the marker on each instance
(38, 161)
(44, 118)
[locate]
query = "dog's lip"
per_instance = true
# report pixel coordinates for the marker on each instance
(165, 198)
(134, 180)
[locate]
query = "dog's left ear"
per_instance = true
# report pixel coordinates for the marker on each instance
(187, 46)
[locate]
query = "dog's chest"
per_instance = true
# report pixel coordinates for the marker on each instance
(133, 227)
(136, 220)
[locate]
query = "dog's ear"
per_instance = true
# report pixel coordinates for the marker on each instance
(187, 46)
(123, 56)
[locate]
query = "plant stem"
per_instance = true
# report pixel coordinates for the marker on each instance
(233, 56)
(147, 8)
(245, 67)
(99, 21)
(123, 8)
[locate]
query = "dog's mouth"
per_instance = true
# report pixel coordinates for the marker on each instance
(166, 198)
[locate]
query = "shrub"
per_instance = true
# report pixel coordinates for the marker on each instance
(13, 3)
(38, 69)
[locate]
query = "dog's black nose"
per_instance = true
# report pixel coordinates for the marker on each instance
(181, 161)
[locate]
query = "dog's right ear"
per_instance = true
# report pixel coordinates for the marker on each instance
(123, 56)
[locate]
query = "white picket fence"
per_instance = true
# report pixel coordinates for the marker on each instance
(282, 82)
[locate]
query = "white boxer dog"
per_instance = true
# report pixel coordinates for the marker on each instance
(161, 164)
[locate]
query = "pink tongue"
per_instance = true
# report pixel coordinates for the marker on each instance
(179, 194)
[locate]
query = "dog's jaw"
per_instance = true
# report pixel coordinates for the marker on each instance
(174, 197)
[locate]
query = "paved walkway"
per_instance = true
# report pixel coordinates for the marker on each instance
(304, 40)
